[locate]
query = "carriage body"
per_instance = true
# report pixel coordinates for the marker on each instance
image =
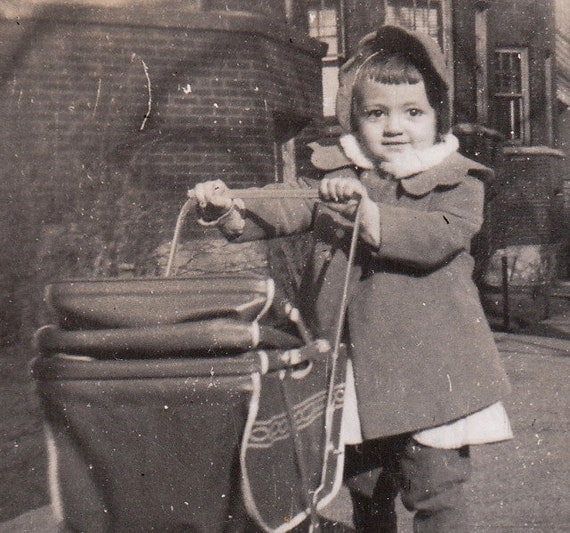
(171, 405)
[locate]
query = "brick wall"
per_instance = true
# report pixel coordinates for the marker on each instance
(108, 119)
(82, 93)
(529, 208)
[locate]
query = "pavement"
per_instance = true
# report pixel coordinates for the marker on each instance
(517, 486)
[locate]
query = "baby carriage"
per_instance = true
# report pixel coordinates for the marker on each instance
(170, 405)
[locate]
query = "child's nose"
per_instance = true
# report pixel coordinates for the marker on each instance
(393, 125)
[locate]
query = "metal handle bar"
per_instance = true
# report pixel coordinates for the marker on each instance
(308, 194)
(266, 193)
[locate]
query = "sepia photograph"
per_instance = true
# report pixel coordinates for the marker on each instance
(284, 265)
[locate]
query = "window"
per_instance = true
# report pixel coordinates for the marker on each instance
(326, 24)
(323, 25)
(511, 96)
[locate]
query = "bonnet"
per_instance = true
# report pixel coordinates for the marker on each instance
(422, 50)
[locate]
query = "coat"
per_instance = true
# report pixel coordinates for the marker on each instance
(422, 351)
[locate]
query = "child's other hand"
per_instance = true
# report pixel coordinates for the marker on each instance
(343, 194)
(213, 199)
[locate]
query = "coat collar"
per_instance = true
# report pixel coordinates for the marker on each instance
(418, 175)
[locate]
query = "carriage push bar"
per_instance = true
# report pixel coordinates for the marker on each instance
(266, 193)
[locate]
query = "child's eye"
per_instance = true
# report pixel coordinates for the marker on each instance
(375, 113)
(414, 112)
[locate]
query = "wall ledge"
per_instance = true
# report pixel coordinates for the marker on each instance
(226, 21)
(533, 150)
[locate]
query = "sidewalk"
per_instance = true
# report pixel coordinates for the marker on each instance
(517, 486)
(559, 321)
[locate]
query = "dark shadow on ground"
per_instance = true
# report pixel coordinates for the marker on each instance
(555, 326)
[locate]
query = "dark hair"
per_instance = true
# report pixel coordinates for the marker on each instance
(397, 69)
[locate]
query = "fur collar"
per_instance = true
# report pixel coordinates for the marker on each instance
(401, 167)
(440, 164)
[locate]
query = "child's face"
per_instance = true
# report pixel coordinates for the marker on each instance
(394, 119)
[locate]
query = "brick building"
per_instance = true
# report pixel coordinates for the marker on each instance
(111, 113)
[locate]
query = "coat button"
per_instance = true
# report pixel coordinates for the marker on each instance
(339, 233)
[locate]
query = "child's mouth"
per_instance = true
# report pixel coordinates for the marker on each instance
(394, 145)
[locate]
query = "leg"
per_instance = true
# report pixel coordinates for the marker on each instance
(370, 516)
(432, 486)
(371, 475)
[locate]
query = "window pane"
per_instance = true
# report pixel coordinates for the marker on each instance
(330, 87)
(313, 16)
(516, 73)
(328, 20)
(511, 97)
(508, 117)
(333, 46)
(508, 72)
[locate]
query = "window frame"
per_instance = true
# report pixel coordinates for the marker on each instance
(523, 96)
(482, 63)
(331, 63)
(338, 6)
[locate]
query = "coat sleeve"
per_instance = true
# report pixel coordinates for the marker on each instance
(273, 217)
(428, 239)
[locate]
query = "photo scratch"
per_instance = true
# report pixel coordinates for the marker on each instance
(97, 97)
(149, 88)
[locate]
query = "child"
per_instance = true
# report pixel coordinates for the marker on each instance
(427, 373)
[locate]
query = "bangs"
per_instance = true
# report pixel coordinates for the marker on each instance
(393, 69)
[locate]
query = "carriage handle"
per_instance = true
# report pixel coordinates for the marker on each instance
(306, 194)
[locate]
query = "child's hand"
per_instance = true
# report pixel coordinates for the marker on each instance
(344, 195)
(213, 199)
